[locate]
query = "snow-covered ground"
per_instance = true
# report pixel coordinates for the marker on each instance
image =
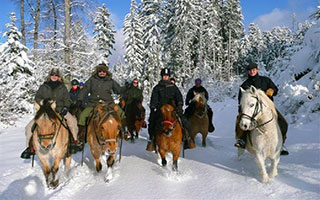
(213, 172)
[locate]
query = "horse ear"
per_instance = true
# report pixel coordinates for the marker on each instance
(37, 106)
(194, 93)
(53, 105)
(253, 89)
(242, 90)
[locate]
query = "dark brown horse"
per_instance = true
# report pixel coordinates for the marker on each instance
(169, 135)
(103, 130)
(135, 118)
(199, 120)
(50, 139)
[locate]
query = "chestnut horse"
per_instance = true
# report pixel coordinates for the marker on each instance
(135, 118)
(50, 139)
(169, 135)
(199, 120)
(102, 135)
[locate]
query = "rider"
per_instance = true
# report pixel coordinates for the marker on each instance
(75, 90)
(54, 89)
(133, 92)
(198, 88)
(100, 86)
(266, 85)
(166, 93)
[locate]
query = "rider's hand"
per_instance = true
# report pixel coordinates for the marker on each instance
(64, 111)
(269, 92)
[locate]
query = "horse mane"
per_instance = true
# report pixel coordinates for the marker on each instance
(261, 94)
(103, 111)
(46, 109)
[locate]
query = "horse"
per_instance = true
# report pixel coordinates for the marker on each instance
(198, 119)
(102, 134)
(169, 135)
(259, 116)
(135, 118)
(50, 139)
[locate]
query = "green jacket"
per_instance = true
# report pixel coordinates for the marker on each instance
(59, 94)
(99, 89)
(132, 93)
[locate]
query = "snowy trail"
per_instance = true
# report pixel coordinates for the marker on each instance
(213, 172)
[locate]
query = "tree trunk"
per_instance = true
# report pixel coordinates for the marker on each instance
(55, 19)
(23, 25)
(36, 30)
(67, 32)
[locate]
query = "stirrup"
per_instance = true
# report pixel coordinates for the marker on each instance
(27, 153)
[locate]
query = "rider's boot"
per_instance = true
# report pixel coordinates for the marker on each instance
(284, 151)
(27, 153)
(210, 115)
(241, 142)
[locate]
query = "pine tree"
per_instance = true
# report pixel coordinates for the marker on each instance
(104, 34)
(134, 46)
(16, 83)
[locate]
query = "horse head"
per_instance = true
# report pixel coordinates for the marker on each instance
(169, 119)
(251, 107)
(46, 123)
(106, 125)
(200, 104)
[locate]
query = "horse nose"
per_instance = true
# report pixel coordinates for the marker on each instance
(245, 126)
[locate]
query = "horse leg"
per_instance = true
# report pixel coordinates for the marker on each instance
(274, 166)
(204, 137)
(46, 169)
(110, 162)
(175, 160)
(55, 167)
(98, 164)
(67, 161)
(262, 168)
(163, 157)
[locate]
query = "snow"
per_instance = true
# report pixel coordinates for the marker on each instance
(213, 172)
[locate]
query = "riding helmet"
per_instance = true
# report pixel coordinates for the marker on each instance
(252, 65)
(165, 71)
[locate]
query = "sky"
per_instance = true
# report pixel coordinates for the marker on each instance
(266, 13)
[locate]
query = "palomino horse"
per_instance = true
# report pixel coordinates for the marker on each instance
(259, 116)
(199, 120)
(50, 139)
(169, 135)
(135, 118)
(103, 130)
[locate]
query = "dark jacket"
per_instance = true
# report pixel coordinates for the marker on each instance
(165, 93)
(99, 89)
(74, 94)
(58, 93)
(196, 89)
(133, 93)
(260, 82)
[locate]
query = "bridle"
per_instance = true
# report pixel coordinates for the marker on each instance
(169, 130)
(257, 110)
(101, 139)
(51, 136)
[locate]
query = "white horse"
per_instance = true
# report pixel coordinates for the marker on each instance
(259, 116)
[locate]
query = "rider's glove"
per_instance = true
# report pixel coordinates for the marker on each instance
(64, 111)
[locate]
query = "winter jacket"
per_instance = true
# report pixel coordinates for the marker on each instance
(100, 88)
(165, 93)
(190, 94)
(260, 82)
(74, 94)
(59, 94)
(133, 93)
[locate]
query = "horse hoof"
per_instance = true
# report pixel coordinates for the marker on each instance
(164, 162)
(54, 184)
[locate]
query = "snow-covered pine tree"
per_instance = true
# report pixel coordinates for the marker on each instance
(133, 42)
(16, 80)
(104, 34)
(150, 16)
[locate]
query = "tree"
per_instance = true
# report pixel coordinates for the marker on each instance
(104, 34)
(16, 82)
